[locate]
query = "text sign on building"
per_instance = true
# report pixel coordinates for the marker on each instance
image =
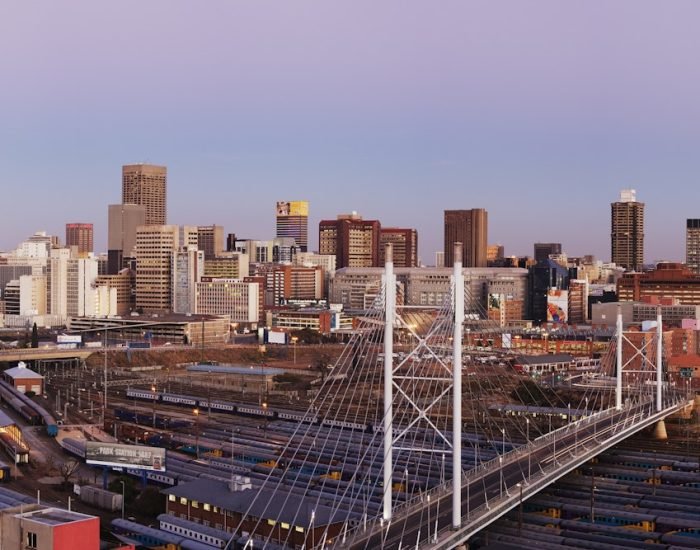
(126, 456)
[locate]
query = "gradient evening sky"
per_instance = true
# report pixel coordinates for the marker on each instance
(538, 111)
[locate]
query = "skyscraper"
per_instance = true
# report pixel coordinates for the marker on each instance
(692, 245)
(210, 239)
(145, 184)
(121, 234)
(81, 236)
(405, 246)
(155, 249)
(470, 227)
(544, 250)
(627, 231)
(293, 221)
(353, 241)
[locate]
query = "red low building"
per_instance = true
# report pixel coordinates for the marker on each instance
(23, 379)
(41, 528)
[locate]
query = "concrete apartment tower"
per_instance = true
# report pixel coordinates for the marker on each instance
(627, 231)
(470, 227)
(293, 221)
(145, 184)
(692, 245)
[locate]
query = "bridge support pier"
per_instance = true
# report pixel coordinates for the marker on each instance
(660, 431)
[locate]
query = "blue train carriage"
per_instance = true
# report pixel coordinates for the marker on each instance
(611, 516)
(140, 535)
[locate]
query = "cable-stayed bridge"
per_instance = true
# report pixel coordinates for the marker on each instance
(416, 440)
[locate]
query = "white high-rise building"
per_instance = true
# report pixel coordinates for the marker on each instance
(32, 295)
(188, 268)
(71, 284)
(57, 285)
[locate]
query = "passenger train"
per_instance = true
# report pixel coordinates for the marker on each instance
(27, 408)
(249, 410)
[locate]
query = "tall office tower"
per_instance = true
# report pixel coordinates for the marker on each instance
(210, 240)
(231, 242)
(145, 184)
(80, 235)
(544, 250)
(692, 245)
(405, 243)
(470, 227)
(293, 221)
(627, 231)
(353, 241)
(121, 235)
(155, 246)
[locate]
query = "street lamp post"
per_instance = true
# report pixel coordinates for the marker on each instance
(527, 428)
(153, 390)
(520, 509)
(264, 406)
(123, 496)
(592, 496)
(196, 432)
(500, 458)
(294, 348)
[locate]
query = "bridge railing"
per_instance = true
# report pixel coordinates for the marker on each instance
(482, 468)
(482, 511)
(438, 492)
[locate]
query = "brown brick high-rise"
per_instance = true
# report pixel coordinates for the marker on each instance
(80, 235)
(469, 227)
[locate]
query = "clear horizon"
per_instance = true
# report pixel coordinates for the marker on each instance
(539, 112)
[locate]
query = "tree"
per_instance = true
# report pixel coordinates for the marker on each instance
(149, 502)
(322, 363)
(67, 469)
(35, 336)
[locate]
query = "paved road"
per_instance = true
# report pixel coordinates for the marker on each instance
(413, 528)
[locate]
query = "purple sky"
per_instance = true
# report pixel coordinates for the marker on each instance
(539, 112)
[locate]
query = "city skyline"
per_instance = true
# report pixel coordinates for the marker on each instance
(399, 125)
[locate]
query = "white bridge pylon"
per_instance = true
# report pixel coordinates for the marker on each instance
(635, 358)
(395, 379)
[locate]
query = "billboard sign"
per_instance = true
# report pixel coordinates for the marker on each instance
(125, 456)
(293, 208)
(557, 306)
(276, 337)
(69, 339)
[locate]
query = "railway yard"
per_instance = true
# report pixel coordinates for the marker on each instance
(218, 426)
